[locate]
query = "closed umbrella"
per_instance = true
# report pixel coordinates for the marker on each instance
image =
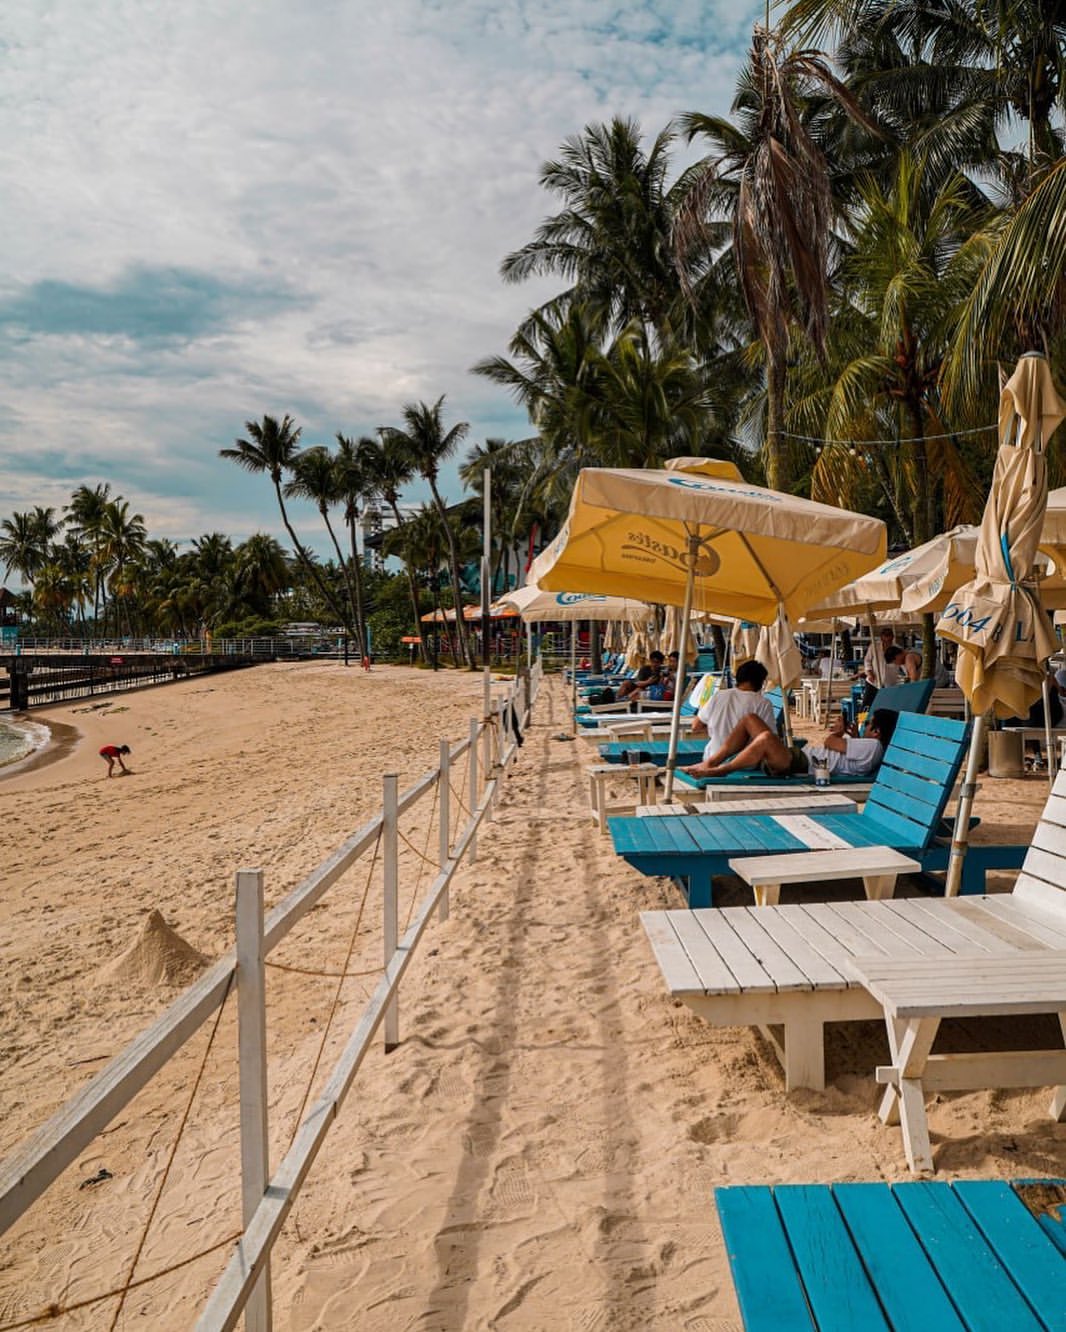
(997, 619)
(706, 544)
(777, 651)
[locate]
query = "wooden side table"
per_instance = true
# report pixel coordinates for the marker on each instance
(917, 994)
(645, 775)
(877, 866)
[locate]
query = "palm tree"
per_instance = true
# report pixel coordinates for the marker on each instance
(262, 570)
(271, 447)
(85, 513)
(122, 539)
(773, 177)
(611, 240)
(388, 467)
(356, 489)
(315, 478)
(426, 442)
(21, 551)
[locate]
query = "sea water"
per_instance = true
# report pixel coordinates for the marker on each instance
(18, 739)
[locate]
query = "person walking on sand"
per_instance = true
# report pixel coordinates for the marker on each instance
(113, 754)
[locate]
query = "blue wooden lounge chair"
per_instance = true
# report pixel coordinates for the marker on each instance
(913, 696)
(903, 811)
(972, 1256)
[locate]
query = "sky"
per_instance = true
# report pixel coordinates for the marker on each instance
(213, 211)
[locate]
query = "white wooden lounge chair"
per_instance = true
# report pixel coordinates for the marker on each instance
(789, 969)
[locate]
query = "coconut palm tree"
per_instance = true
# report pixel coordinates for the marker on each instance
(315, 478)
(356, 489)
(271, 447)
(772, 176)
(427, 443)
(21, 550)
(388, 468)
(262, 570)
(122, 539)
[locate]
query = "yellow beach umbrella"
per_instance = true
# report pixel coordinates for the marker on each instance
(997, 619)
(707, 544)
(749, 549)
(535, 605)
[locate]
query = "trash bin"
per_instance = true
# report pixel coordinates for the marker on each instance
(1005, 754)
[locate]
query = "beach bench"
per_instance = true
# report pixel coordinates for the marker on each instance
(902, 812)
(787, 969)
(968, 1256)
(913, 696)
(658, 749)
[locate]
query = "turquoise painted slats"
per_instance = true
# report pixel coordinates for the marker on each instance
(913, 696)
(906, 760)
(831, 1269)
(667, 836)
(945, 727)
(975, 1279)
(628, 835)
(1035, 1264)
(913, 741)
(895, 1262)
(757, 1248)
(735, 834)
(912, 826)
(856, 830)
(920, 789)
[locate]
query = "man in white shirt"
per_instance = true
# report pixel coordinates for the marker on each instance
(753, 744)
(719, 716)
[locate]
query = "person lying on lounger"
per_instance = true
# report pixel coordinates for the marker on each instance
(752, 744)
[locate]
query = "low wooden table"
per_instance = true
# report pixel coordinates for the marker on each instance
(878, 866)
(646, 776)
(918, 993)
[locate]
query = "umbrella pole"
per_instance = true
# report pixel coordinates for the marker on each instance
(832, 663)
(1047, 729)
(573, 677)
(961, 833)
(784, 699)
(675, 712)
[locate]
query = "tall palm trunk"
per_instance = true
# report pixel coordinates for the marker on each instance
(412, 586)
(777, 477)
(453, 563)
(353, 613)
(301, 555)
(357, 575)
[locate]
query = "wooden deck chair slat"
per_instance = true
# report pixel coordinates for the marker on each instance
(977, 1282)
(1020, 1244)
(898, 1267)
(827, 1261)
(750, 1222)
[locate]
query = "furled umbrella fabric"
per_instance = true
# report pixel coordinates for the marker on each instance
(777, 651)
(997, 619)
(743, 642)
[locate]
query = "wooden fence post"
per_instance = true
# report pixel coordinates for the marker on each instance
(252, 1060)
(391, 874)
(471, 786)
(445, 803)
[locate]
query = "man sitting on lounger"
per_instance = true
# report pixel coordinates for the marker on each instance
(753, 744)
(720, 714)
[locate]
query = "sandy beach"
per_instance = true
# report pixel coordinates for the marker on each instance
(542, 1148)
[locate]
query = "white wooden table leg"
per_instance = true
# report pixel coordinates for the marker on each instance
(804, 1055)
(879, 886)
(910, 1042)
(767, 894)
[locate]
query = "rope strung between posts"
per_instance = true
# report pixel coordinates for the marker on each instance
(341, 977)
(422, 856)
(56, 1310)
(328, 975)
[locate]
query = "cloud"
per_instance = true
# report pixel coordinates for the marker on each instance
(212, 212)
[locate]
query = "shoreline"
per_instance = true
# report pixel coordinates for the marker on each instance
(61, 740)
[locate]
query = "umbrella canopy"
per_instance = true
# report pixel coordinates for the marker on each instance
(997, 618)
(1053, 530)
(751, 549)
(534, 604)
(719, 467)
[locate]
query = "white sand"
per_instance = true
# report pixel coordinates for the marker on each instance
(542, 1148)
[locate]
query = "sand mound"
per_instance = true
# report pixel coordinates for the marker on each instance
(159, 955)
